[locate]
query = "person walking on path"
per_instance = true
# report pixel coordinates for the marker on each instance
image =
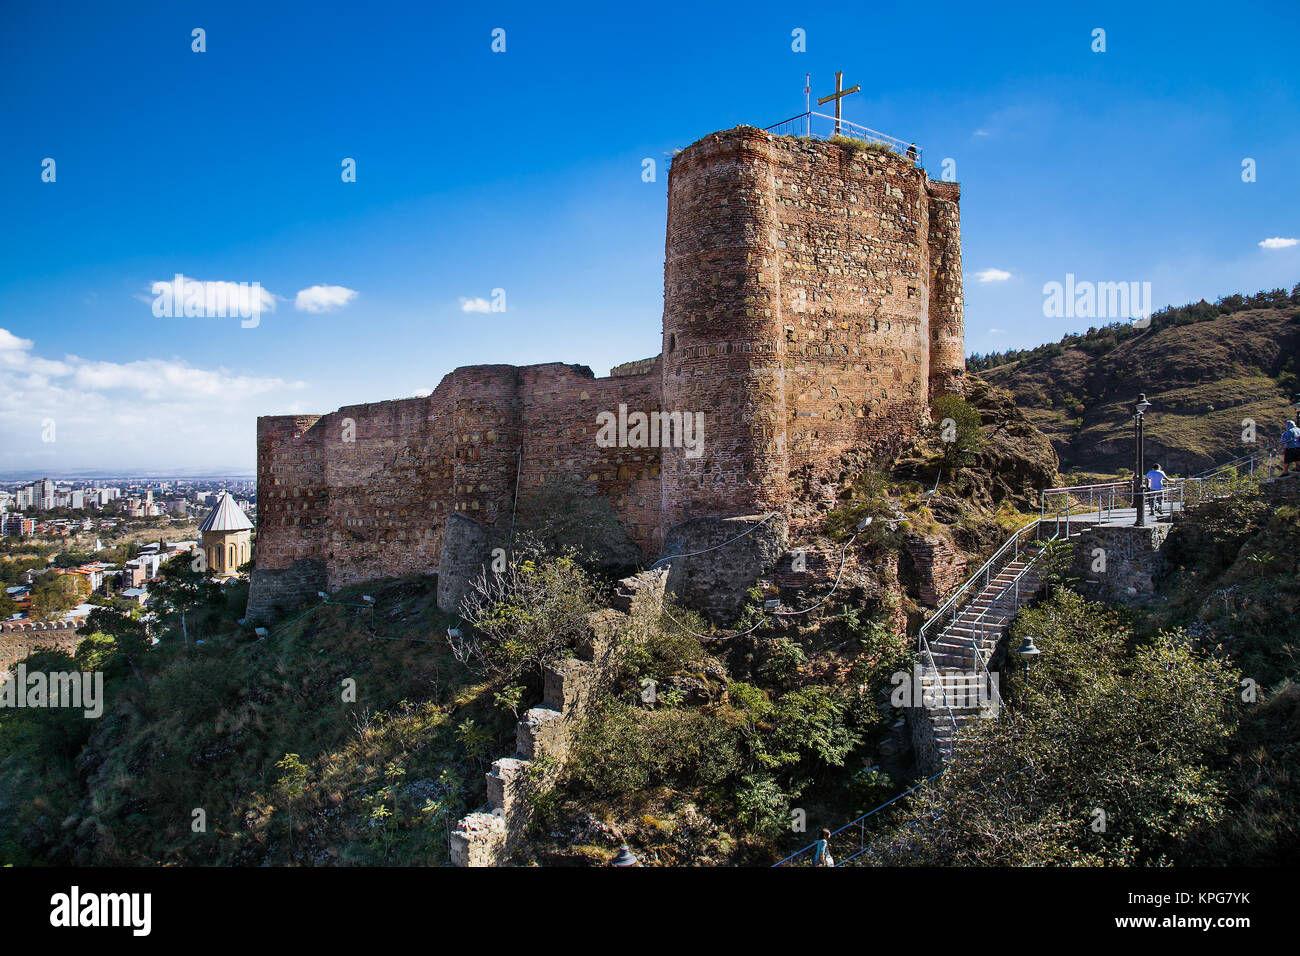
(822, 855)
(1156, 479)
(1290, 448)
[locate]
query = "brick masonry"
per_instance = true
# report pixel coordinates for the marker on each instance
(20, 638)
(937, 565)
(812, 305)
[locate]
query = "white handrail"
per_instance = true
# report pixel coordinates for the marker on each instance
(984, 569)
(845, 128)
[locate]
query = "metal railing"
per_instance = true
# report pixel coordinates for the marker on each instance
(813, 125)
(801, 858)
(980, 623)
(967, 591)
(938, 678)
(1108, 499)
(1105, 498)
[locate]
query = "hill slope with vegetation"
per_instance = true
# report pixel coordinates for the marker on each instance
(1204, 367)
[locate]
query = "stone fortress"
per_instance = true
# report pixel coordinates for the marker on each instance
(812, 307)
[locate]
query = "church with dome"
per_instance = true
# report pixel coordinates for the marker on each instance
(225, 537)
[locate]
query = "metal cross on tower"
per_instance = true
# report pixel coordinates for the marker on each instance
(837, 96)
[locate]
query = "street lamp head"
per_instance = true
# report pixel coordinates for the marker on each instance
(624, 858)
(1027, 650)
(1142, 404)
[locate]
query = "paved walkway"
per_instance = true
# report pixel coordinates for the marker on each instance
(1122, 517)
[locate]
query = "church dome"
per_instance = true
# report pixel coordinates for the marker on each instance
(226, 516)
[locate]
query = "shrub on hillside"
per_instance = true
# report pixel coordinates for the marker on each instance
(529, 614)
(956, 429)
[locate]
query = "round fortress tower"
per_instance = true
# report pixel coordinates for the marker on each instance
(799, 281)
(721, 342)
(947, 325)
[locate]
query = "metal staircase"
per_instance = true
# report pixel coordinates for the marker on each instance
(957, 642)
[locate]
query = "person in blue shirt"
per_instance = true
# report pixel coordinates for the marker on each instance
(822, 855)
(1290, 448)
(1156, 479)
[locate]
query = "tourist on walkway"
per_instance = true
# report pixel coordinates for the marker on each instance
(1156, 479)
(1290, 447)
(822, 855)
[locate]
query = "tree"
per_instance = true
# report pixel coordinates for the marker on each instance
(180, 592)
(128, 634)
(524, 616)
(54, 594)
(957, 429)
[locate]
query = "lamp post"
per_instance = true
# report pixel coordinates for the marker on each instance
(1139, 499)
(1027, 652)
(625, 857)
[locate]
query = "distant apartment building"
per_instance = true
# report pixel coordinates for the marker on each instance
(133, 574)
(17, 524)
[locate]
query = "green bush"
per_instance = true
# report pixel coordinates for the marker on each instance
(956, 429)
(525, 616)
(623, 750)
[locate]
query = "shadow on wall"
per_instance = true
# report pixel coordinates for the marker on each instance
(716, 583)
(559, 515)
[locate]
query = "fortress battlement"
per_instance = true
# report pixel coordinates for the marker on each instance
(812, 306)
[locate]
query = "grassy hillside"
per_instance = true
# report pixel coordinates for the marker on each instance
(1204, 368)
(233, 752)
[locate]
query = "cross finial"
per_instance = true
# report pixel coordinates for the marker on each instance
(837, 96)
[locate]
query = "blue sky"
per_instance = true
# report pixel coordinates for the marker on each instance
(522, 171)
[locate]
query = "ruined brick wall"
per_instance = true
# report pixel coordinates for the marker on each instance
(20, 638)
(292, 495)
(799, 281)
(559, 407)
(366, 490)
(938, 568)
(811, 294)
(544, 735)
(947, 323)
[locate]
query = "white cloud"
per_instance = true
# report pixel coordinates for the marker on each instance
(475, 305)
(323, 298)
(983, 132)
(999, 332)
(993, 275)
(1277, 242)
(150, 412)
(209, 298)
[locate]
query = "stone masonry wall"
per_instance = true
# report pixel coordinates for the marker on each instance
(812, 304)
(1134, 561)
(20, 638)
(715, 582)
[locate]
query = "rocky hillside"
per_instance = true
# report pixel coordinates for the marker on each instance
(1204, 368)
